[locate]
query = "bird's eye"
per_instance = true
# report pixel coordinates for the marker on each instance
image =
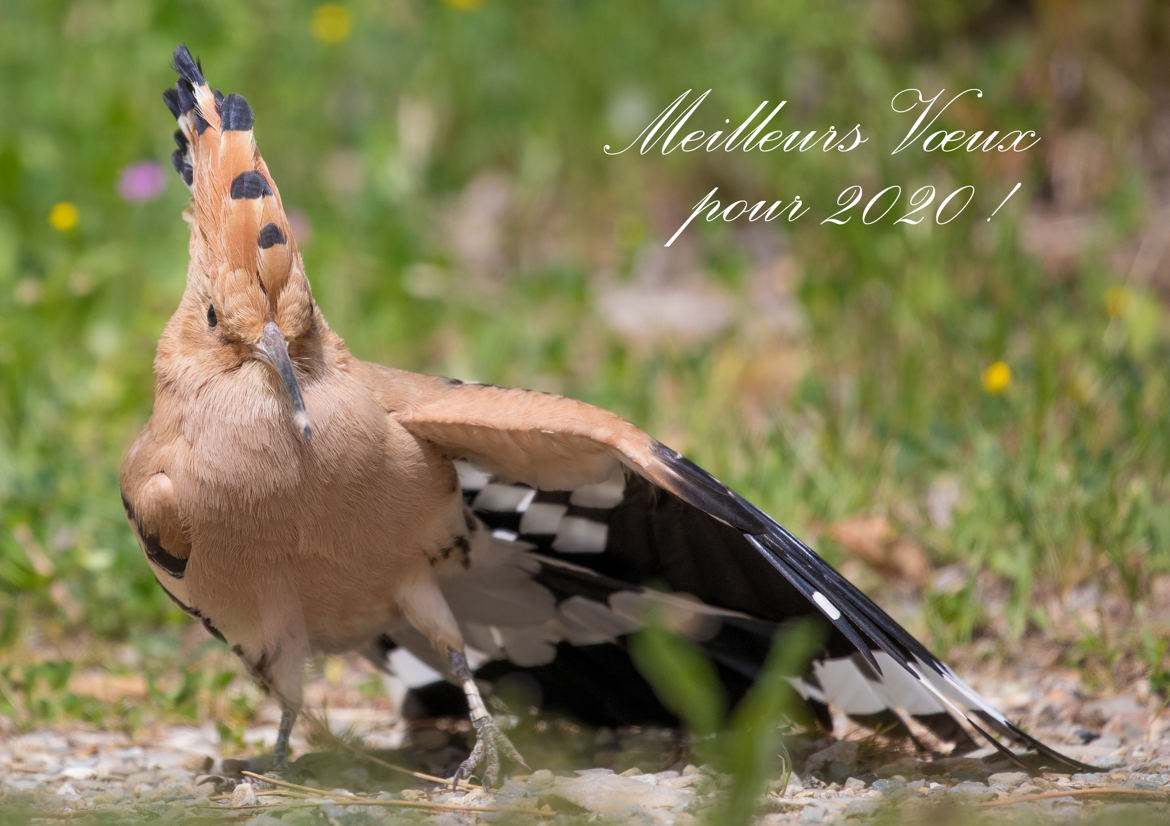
(211, 319)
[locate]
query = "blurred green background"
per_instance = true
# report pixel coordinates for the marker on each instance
(987, 400)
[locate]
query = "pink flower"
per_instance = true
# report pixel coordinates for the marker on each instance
(142, 181)
(298, 222)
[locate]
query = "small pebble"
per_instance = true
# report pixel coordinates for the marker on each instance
(511, 790)
(175, 790)
(972, 790)
(18, 784)
(1008, 779)
(889, 786)
(79, 773)
(612, 795)
(861, 808)
(244, 795)
(812, 814)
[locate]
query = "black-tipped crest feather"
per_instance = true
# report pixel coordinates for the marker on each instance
(216, 156)
(171, 99)
(187, 67)
(270, 235)
(236, 114)
(250, 184)
(186, 96)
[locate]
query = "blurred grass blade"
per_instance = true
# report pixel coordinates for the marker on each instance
(684, 679)
(757, 724)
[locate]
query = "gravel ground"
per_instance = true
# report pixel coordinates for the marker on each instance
(176, 774)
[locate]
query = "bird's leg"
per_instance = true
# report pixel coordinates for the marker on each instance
(277, 766)
(489, 740)
(288, 716)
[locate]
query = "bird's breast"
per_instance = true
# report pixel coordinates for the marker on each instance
(325, 526)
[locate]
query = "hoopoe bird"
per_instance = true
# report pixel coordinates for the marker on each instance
(300, 501)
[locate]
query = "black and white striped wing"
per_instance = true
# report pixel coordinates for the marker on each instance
(588, 517)
(549, 593)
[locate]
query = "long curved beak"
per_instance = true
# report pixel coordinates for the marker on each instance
(272, 348)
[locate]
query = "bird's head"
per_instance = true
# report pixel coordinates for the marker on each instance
(247, 296)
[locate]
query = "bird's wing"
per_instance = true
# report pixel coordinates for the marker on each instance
(618, 508)
(148, 498)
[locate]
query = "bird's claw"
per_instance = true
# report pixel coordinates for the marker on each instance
(274, 765)
(489, 743)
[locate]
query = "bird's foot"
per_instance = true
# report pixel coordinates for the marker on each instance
(489, 743)
(275, 765)
(280, 767)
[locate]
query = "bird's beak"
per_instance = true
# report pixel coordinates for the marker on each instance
(272, 348)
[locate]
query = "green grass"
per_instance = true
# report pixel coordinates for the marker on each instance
(745, 744)
(380, 141)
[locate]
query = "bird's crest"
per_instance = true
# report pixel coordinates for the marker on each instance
(239, 228)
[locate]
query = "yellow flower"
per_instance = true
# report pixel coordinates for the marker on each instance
(331, 22)
(464, 5)
(996, 378)
(63, 216)
(1118, 301)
